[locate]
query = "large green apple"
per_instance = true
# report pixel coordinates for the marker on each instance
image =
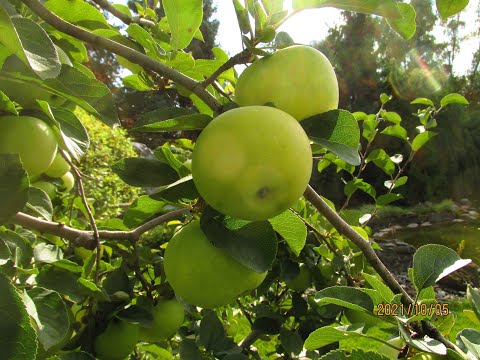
(58, 167)
(168, 316)
(299, 80)
(252, 162)
(117, 341)
(202, 274)
(31, 138)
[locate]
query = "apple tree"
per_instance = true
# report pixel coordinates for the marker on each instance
(234, 255)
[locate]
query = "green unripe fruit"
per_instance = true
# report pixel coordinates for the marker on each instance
(48, 187)
(298, 80)
(252, 163)
(68, 181)
(58, 167)
(168, 316)
(30, 138)
(302, 281)
(117, 341)
(202, 274)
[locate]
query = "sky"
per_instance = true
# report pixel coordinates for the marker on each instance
(313, 24)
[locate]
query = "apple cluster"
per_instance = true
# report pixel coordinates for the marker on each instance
(252, 162)
(35, 142)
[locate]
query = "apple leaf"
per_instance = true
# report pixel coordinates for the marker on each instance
(386, 199)
(400, 16)
(473, 296)
(144, 172)
(184, 19)
(251, 243)
(62, 281)
(78, 12)
(355, 354)
(432, 262)
(74, 355)
(142, 209)
(328, 334)
(181, 190)
(469, 341)
(50, 312)
(6, 104)
(18, 339)
(453, 99)
(212, 333)
(447, 8)
(39, 203)
(383, 290)
(19, 247)
(185, 122)
(345, 296)
(337, 131)
(189, 350)
(292, 229)
(13, 186)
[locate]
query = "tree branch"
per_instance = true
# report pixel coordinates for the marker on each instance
(85, 238)
(240, 58)
(132, 55)
(358, 240)
(125, 18)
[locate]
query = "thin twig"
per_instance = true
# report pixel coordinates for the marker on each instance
(241, 58)
(125, 18)
(250, 339)
(85, 238)
(130, 54)
(244, 312)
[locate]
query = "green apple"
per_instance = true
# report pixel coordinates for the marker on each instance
(117, 341)
(168, 316)
(30, 138)
(68, 181)
(389, 351)
(252, 162)
(58, 167)
(202, 274)
(298, 80)
(302, 281)
(48, 187)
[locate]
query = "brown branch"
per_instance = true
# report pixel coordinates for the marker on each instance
(85, 238)
(358, 240)
(125, 18)
(250, 339)
(130, 54)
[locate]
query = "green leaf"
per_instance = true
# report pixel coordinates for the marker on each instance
(473, 296)
(283, 39)
(384, 98)
(40, 203)
(292, 229)
(432, 262)
(345, 296)
(142, 209)
(291, 341)
(138, 82)
(181, 123)
(337, 131)
(13, 186)
(18, 339)
(212, 334)
(386, 8)
(453, 99)
(386, 199)
(400, 182)
(353, 185)
(6, 104)
(179, 191)
(73, 133)
(47, 253)
(421, 139)
(328, 334)
(184, 19)
(445, 324)
(422, 101)
(189, 350)
(144, 172)
(469, 341)
(79, 13)
(162, 114)
(76, 355)
(144, 38)
(396, 131)
(447, 8)
(242, 17)
(19, 247)
(382, 160)
(392, 117)
(61, 281)
(382, 289)
(51, 315)
(406, 25)
(355, 354)
(253, 244)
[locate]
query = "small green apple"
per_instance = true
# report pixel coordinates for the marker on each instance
(168, 316)
(58, 167)
(202, 274)
(30, 138)
(48, 187)
(302, 281)
(298, 80)
(68, 181)
(117, 341)
(252, 162)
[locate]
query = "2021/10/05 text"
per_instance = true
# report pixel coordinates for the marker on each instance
(437, 309)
